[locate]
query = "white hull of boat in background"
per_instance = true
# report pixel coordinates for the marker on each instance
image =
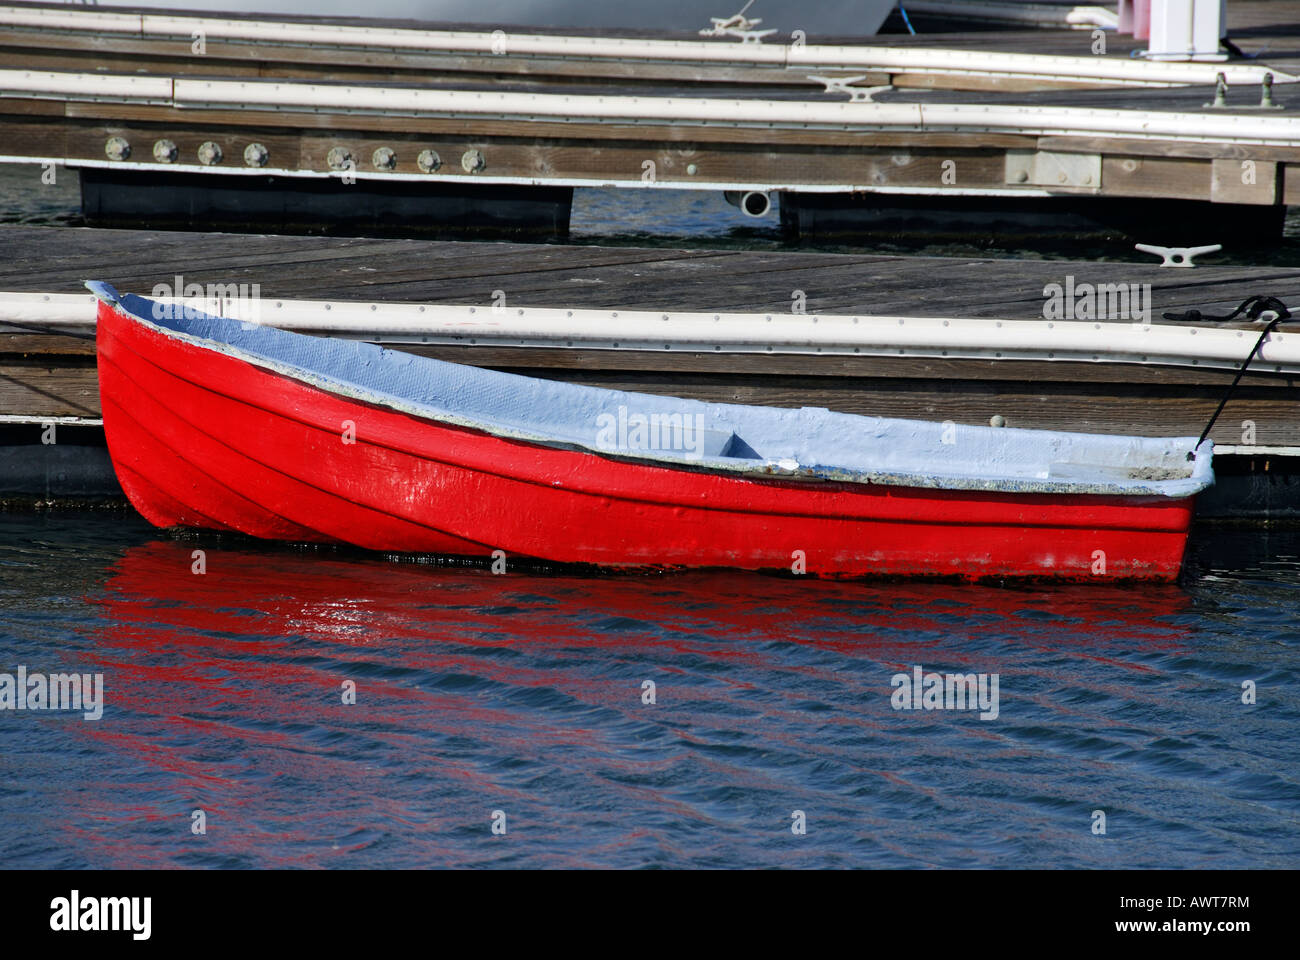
(839, 18)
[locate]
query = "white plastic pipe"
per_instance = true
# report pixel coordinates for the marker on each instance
(1032, 14)
(1237, 128)
(51, 84)
(780, 55)
(777, 333)
(407, 101)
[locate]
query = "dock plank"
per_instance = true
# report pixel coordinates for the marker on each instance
(48, 376)
(57, 259)
(565, 150)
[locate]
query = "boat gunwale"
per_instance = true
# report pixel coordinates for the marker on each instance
(1171, 490)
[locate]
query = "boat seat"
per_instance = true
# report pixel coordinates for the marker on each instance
(731, 446)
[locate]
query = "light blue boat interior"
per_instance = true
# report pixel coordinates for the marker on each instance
(805, 443)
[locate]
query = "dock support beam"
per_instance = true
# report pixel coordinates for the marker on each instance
(846, 217)
(328, 205)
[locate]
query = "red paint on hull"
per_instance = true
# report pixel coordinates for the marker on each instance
(203, 439)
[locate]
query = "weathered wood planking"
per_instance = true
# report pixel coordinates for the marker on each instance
(556, 361)
(227, 60)
(85, 119)
(1144, 409)
(48, 375)
(553, 150)
(1252, 25)
(56, 259)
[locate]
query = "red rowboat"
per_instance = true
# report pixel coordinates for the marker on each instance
(218, 424)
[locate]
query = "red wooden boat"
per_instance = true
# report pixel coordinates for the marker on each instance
(218, 424)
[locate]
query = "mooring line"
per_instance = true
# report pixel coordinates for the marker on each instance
(1253, 307)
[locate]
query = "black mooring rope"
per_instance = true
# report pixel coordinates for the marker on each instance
(1253, 307)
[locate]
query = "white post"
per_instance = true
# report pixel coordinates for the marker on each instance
(1187, 29)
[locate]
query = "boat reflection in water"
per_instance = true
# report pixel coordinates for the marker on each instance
(526, 693)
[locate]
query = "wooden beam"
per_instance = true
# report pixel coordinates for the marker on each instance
(39, 389)
(1244, 181)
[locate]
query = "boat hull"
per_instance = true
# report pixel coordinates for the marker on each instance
(200, 438)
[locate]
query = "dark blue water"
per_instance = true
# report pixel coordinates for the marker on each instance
(522, 693)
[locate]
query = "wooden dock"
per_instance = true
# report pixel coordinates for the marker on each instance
(361, 125)
(902, 128)
(44, 375)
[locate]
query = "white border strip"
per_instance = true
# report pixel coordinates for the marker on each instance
(19, 418)
(634, 180)
(789, 114)
(955, 338)
(795, 57)
(1253, 450)
(1036, 14)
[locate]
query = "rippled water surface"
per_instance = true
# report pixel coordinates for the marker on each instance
(523, 693)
